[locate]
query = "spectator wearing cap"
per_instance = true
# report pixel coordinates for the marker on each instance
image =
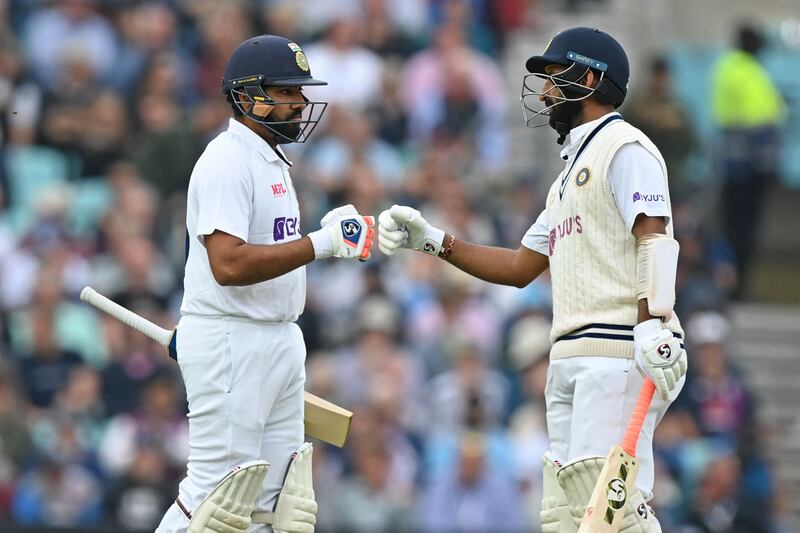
(718, 397)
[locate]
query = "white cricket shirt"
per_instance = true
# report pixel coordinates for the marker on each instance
(633, 169)
(241, 186)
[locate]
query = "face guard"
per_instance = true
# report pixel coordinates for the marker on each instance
(296, 129)
(561, 103)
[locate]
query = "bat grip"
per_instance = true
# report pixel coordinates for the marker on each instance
(140, 324)
(637, 417)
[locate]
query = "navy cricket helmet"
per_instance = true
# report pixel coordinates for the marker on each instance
(579, 50)
(271, 60)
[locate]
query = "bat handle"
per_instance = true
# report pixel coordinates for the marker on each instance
(140, 324)
(631, 436)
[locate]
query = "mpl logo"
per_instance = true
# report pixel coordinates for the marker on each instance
(278, 190)
(351, 230)
(284, 227)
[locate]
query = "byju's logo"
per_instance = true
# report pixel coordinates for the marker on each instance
(284, 227)
(637, 196)
(351, 229)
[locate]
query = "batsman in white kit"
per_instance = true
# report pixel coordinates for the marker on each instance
(240, 352)
(606, 236)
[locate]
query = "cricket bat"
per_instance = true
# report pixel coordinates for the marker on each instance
(323, 420)
(617, 479)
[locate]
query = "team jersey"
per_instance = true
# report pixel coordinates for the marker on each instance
(613, 173)
(241, 186)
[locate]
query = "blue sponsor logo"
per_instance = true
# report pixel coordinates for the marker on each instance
(284, 227)
(351, 230)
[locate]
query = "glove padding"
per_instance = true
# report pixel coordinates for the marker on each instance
(403, 227)
(659, 355)
(344, 234)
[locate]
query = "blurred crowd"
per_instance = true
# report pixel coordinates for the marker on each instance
(105, 108)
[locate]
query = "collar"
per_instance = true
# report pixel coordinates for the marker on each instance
(578, 133)
(253, 140)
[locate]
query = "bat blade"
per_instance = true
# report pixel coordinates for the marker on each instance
(323, 420)
(617, 479)
(326, 421)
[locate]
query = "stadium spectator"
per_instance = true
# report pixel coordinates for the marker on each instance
(748, 110)
(659, 114)
(472, 496)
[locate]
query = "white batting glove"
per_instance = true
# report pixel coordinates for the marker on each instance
(659, 355)
(344, 234)
(403, 227)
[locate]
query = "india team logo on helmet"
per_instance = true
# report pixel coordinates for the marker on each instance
(299, 56)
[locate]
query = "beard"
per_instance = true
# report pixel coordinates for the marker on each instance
(564, 115)
(288, 132)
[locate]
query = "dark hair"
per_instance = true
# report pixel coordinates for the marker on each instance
(749, 38)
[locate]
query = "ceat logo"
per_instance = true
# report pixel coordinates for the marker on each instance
(278, 190)
(284, 227)
(351, 230)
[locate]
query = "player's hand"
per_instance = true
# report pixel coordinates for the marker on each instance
(344, 234)
(403, 227)
(659, 355)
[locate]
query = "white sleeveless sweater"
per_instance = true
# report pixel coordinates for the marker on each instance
(593, 254)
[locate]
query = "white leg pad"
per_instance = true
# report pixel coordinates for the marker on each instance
(296, 508)
(554, 516)
(228, 507)
(578, 479)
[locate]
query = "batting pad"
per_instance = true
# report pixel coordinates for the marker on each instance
(228, 507)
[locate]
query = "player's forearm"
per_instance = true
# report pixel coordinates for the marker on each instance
(644, 312)
(495, 265)
(247, 264)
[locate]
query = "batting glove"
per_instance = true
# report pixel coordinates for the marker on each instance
(344, 234)
(403, 227)
(659, 355)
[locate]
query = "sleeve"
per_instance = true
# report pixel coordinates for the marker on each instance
(638, 184)
(537, 238)
(224, 198)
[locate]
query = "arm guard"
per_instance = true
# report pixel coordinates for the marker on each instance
(656, 269)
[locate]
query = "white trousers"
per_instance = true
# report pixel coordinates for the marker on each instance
(589, 402)
(244, 383)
